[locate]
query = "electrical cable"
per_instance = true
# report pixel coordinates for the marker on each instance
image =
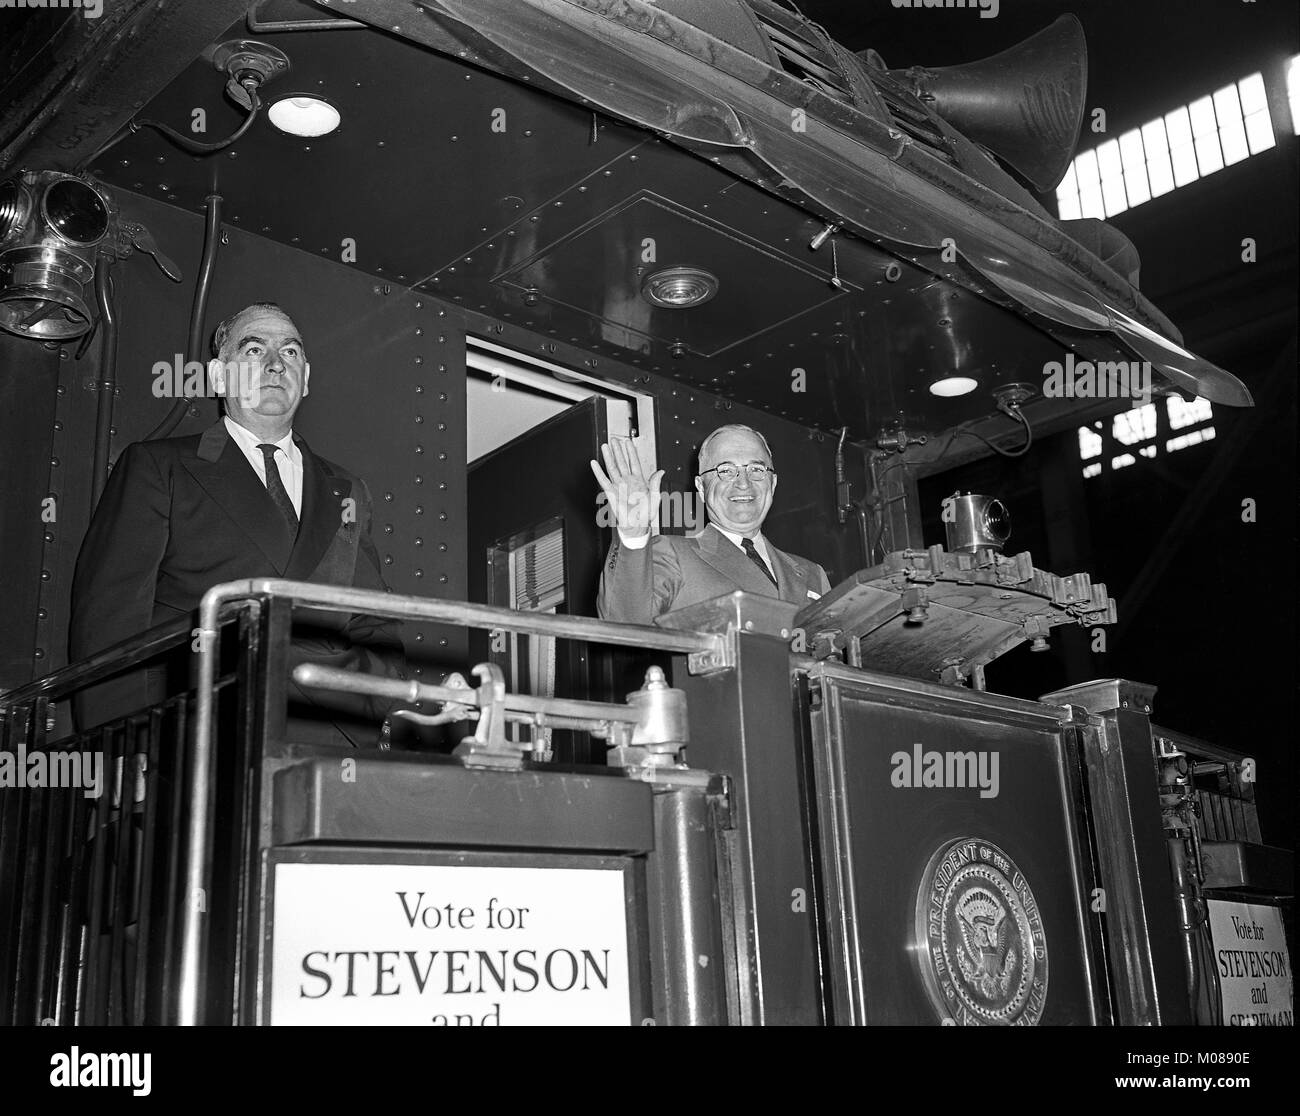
(1029, 436)
(194, 147)
(957, 431)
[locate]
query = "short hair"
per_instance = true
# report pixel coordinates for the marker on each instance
(734, 427)
(222, 333)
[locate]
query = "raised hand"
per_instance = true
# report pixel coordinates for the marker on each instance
(633, 500)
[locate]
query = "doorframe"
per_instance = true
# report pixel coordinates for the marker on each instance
(482, 355)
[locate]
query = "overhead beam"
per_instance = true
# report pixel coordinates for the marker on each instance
(104, 71)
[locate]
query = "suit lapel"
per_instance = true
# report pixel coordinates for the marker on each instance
(323, 506)
(732, 562)
(789, 580)
(229, 480)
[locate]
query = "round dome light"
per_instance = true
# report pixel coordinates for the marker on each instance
(304, 116)
(951, 386)
(679, 288)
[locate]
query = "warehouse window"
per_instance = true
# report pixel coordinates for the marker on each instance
(1191, 142)
(1138, 433)
(1192, 439)
(1188, 414)
(1137, 425)
(1293, 92)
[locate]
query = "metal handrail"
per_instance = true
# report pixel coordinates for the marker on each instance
(339, 598)
(121, 656)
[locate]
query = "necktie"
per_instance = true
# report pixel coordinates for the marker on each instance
(749, 548)
(275, 486)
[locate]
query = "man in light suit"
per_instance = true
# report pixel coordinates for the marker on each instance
(246, 498)
(647, 575)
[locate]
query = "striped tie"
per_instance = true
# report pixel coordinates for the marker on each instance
(749, 548)
(275, 486)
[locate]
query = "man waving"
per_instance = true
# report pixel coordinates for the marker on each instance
(646, 575)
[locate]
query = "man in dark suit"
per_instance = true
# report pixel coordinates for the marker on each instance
(646, 576)
(247, 498)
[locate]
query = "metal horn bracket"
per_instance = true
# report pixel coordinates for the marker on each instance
(488, 746)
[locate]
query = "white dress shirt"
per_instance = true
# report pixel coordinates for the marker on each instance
(288, 459)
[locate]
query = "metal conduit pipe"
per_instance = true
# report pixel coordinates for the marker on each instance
(107, 385)
(194, 344)
(527, 706)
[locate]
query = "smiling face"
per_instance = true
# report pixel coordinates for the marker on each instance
(740, 505)
(265, 354)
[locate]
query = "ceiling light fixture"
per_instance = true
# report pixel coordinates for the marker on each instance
(679, 288)
(949, 387)
(304, 115)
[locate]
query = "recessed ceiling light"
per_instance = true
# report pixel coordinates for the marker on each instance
(950, 386)
(679, 288)
(304, 116)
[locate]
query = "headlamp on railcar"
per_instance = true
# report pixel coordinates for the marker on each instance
(973, 523)
(50, 226)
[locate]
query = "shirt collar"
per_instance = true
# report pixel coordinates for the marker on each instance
(249, 441)
(760, 544)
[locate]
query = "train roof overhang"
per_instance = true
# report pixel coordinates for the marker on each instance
(534, 169)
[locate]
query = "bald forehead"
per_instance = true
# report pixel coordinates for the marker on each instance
(259, 322)
(241, 322)
(734, 445)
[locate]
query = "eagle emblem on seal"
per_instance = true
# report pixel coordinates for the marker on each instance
(984, 961)
(987, 953)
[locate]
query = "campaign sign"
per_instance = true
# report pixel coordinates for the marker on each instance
(1254, 968)
(448, 945)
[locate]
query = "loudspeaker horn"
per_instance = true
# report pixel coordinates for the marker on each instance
(1025, 104)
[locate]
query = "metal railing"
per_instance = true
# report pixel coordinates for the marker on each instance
(370, 602)
(90, 861)
(111, 907)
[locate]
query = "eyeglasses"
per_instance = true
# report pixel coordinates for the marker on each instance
(730, 471)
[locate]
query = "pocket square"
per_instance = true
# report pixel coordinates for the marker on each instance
(814, 596)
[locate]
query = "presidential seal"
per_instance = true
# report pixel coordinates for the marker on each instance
(983, 951)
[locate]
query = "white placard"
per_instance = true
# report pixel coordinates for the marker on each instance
(448, 945)
(1254, 967)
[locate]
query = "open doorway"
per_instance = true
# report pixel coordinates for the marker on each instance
(508, 393)
(538, 533)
